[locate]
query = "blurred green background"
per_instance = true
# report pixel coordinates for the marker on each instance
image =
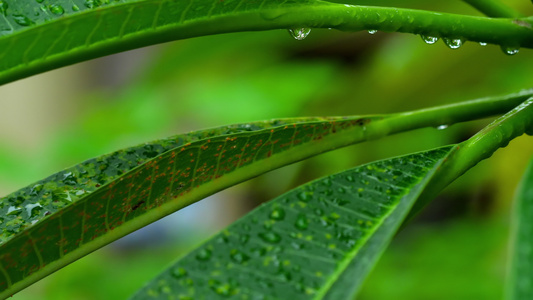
(455, 250)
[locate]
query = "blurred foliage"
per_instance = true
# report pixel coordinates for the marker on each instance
(454, 250)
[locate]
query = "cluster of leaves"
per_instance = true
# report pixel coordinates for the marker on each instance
(317, 241)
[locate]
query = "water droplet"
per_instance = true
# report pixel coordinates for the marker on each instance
(453, 43)
(301, 222)
(270, 237)
(22, 20)
(372, 31)
(277, 214)
(57, 9)
(69, 179)
(222, 239)
(223, 289)
(327, 181)
(204, 255)
(75, 7)
(91, 4)
(299, 33)
(442, 127)
(33, 209)
(319, 212)
(13, 211)
(238, 256)
(509, 50)
(304, 196)
(3, 7)
(259, 251)
(178, 273)
(429, 39)
(244, 238)
(483, 43)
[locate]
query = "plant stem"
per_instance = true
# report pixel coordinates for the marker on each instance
(494, 8)
(479, 147)
(458, 112)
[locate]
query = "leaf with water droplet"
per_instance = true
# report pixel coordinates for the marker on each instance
(344, 243)
(104, 211)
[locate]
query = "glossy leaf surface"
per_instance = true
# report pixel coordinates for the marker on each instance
(66, 216)
(36, 36)
(521, 265)
(314, 242)
(320, 240)
(55, 221)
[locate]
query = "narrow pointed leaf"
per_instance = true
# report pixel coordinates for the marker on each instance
(51, 223)
(520, 280)
(319, 241)
(37, 36)
(299, 244)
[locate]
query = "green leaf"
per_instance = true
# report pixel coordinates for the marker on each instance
(47, 225)
(36, 37)
(314, 242)
(519, 281)
(319, 241)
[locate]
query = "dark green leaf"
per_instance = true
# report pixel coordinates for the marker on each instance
(314, 242)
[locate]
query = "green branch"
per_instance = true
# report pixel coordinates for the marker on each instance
(494, 8)
(481, 146)
(46, 44)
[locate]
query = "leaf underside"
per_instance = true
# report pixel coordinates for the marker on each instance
(61, 218)
(317, 241)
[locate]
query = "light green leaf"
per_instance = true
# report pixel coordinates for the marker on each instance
(520, 278)
(36, 36)
(319, 241)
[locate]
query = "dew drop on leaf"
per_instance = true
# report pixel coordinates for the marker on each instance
(3, 7)
(372, 31)
(430, 40)
(204, 255)
(301, 222)
(22, 20)
(442, 127)
(509, 50)
(304, 196)
(277, 214)
(12, 210)
(75, 7)
(57, 9)
(483, 43)
(453, 43)
(238, 256)
(299, 33)
(178, 273)
(33, 209)
(270, 237)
